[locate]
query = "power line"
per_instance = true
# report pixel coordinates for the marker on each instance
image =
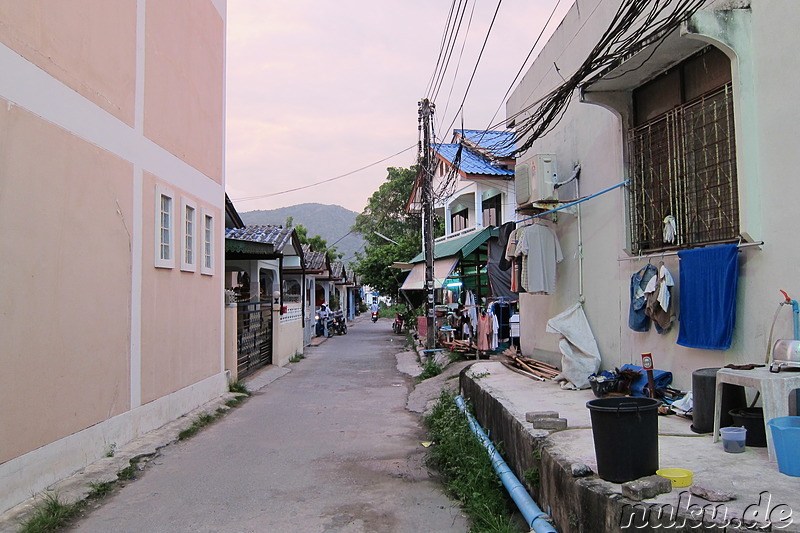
(258, 196)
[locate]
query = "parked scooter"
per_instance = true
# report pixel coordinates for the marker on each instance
(397, 325)
(339, 324)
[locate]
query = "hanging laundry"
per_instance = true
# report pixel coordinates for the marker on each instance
(495, 341)
(540, 250)
(657, 294)
(637, 316)
(505, 233)
(484, 330)
(709, 279)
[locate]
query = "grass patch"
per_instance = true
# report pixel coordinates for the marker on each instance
(50, 515)
(531, 475)
(467, 471)
(296, 357)
(199, 423)
(431, 369)
(128, 473)
(239, 387)
(234, 402)
(100, 489)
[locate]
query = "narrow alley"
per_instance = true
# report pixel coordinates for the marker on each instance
(328, 447)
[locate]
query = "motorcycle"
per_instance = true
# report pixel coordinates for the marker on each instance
(339, 324)
(397, 325)
(374, 316)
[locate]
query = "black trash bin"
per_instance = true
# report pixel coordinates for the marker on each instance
(704, 389)
(625, 432)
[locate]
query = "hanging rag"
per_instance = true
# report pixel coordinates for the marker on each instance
(709, 279)
(580, 355)
(637, 316)
(657, 294)
(670, 229)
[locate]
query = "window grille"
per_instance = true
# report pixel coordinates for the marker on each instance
(683, 163)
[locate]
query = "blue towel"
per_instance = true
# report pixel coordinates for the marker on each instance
(709, 277)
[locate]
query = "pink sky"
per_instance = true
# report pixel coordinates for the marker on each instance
(316, 89)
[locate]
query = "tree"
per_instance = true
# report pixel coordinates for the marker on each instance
(317, 243)
(386, 215)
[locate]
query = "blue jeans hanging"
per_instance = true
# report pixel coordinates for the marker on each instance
(638, 319)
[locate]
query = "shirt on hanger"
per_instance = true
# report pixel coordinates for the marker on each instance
(540, 245)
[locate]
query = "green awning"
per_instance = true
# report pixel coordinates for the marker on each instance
(464, 245)
(240, 249)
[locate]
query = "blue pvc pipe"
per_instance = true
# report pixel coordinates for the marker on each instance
(534, 516)
(795, 313)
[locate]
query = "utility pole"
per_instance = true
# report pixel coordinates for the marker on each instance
(425, 113)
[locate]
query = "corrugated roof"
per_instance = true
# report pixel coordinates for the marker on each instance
(337, 269)
(277, 236)
(464, 245)
(497, 143)
(316, 260)
(471, 162)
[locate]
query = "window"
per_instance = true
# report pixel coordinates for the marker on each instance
(164, 225)
(491, 211)
(682, 156)
(207, 266)
(188, 230)
(459, 221)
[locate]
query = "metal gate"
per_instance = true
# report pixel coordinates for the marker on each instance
(253, 336)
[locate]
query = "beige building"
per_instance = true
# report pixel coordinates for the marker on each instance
(701, 120)
(111, 226)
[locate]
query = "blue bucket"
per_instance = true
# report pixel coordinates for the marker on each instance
(786, 439)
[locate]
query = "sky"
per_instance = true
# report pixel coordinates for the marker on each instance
(319, 89)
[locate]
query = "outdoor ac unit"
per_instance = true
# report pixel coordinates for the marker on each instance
(534, 179)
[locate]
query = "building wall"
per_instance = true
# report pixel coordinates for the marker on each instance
(97, 344)
(592, 136)
(288, 333)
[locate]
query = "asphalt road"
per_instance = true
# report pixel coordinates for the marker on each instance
(328, 447)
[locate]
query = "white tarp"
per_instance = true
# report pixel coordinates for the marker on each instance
(580, 355)
(442, 268)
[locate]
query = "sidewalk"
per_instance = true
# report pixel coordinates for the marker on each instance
(502, 398)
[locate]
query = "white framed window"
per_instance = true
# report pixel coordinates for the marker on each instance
(207, 256)
(164, 228)
(188, 235)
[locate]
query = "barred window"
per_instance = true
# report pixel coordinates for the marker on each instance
(683, 165)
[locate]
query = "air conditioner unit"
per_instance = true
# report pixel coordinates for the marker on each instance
(534, 179)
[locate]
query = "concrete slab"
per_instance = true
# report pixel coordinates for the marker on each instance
(761, 490)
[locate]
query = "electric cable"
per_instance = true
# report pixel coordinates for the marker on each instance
(259, 196)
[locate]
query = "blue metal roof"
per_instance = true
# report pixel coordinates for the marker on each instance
(497, 143)
(471, 162)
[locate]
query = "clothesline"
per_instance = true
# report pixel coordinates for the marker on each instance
(576, 202)
(675, 252)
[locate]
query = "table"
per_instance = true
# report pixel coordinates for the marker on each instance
(774, 387)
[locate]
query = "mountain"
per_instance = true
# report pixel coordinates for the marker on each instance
(331, 222)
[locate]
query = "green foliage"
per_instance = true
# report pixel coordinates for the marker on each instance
(386, 214)
(317, 243)
(296, 357)
(465, 466)
(199, 423)
(239, 387)
(100, 489)
(532, 477)
(127, 473)
(431, 369)
(50, 515)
